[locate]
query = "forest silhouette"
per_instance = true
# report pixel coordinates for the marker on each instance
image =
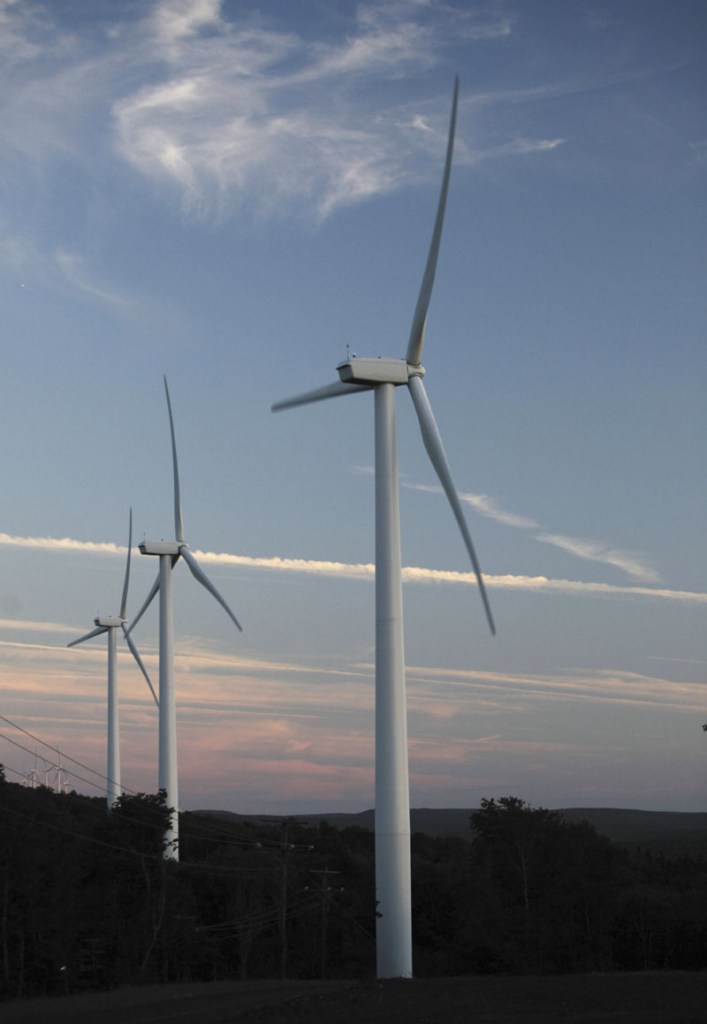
(88, 900)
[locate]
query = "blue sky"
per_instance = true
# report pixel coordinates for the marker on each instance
(236, 195)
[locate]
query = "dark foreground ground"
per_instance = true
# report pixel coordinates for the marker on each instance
(651, 998)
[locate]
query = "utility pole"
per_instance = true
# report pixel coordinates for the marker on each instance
(325, 891)
(285, 849)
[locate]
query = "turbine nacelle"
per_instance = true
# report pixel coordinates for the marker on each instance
(109, 621)
(160, 547)
(377, 370)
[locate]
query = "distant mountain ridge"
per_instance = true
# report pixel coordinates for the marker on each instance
(673, 833)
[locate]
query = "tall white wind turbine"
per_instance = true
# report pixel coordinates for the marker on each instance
(110, 624)
(392, 798)
(169, 553)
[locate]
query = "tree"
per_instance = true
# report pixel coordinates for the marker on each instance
(550, 887)
(124, 894)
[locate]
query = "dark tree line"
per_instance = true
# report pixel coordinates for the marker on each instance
(87, 899)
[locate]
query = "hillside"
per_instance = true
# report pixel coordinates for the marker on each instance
(672, 833)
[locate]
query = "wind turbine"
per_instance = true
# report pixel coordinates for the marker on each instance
(110, 624)
(169, 553)
(392, 798)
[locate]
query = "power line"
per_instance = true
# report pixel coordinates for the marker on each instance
(103, 788)
(57, 751)
(27, 750)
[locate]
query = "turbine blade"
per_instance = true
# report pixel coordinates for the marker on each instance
(124, 601)
(438, 457)
(88, 636)
(417, 330)
(153, 590)
(178, 524)
(138, 659)
(333, 390)
(199, 575)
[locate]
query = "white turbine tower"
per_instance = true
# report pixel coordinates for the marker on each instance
(110, 624)
(169, 553)
(392, 798)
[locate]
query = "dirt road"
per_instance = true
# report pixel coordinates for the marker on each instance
(654, 998)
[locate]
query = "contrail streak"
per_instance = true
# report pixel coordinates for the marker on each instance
(363, 570)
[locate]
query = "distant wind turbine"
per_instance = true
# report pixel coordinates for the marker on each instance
(110, 624)
(392, 798)
(169, 552)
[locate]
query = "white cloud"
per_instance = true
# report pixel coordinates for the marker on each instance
(244, 112)
(175, 21)
(389, 37)
(228, 108)
(23, 31)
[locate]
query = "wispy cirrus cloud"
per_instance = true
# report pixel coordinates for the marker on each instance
(28, 31)
(629, 562)
(74, 270)
(65, 271)
(520, 146)
(476, 688)
(245, 110)
(482, 504)
(176, 21)
(283, 729)
(222, 107)
(632, 563)
(240, 113)
(26, 625)
(228, 107)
